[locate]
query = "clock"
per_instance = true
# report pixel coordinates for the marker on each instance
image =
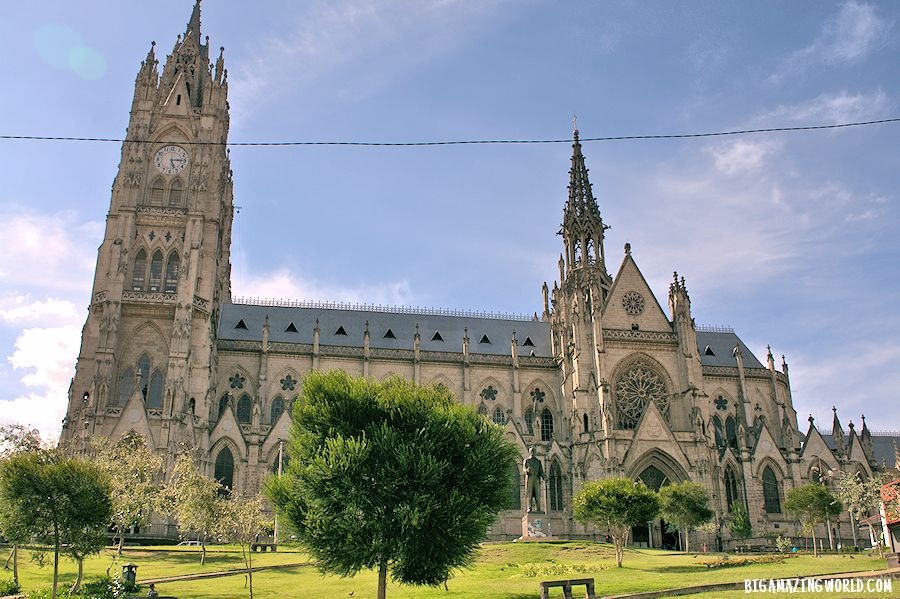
(170, 160)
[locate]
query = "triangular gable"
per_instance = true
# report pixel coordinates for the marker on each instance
(228, 426)
(629, 279)
(653, 433)
(815, 445)
(174, 105)
(134, 417)
(856, 452)
(766, 446)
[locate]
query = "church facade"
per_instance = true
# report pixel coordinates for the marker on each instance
(606, 381)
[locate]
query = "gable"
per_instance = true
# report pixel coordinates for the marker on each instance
(654, 437)
(631, 302)
(134, 417)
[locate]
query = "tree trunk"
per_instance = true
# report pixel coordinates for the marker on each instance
(55, 559)
(876, 540)
(250, 571)
(121, 542)
(202, 552)
(15, 559)
(687, 542)
(77, 584)
(815, 548)
(382, 580)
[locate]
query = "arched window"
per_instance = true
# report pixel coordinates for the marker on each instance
(529, 420)
(157, 193)
(285, 460)
(155, 394)
(224, 472)
(156, 266)
(172, 268)
(584, 423)
(771, 491)
(244, 409)
(556, 488)
(546, 425)
(126, 386)
(176, 193)
(654, 478)
(143, 367)
(498, 416)
(139, 272)
(718, 430)
(482, 409)
(223, 403)
(731, 487)
(277, 409)
(731, 433)
(634, 389)
(515, 488)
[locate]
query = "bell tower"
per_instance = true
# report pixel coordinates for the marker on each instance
(578, 299)
(163, 268)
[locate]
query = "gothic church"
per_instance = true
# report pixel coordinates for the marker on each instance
(605, 382)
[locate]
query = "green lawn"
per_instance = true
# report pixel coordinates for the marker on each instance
(507, 571)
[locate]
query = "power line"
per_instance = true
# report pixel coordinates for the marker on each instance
(451, 142)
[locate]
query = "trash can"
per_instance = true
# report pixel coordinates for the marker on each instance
(129, 573)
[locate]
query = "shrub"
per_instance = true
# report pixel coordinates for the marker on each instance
(8, 586)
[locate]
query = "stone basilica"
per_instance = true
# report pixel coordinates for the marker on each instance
(605, 382)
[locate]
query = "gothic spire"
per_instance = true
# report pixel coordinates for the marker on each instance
(837, 432)
(582, 227)
(193, 26)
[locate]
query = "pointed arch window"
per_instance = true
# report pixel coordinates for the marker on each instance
(285, 460)
(223, 404)
(654, 478)
(139, 272)
(771, 491)
(718, 428)
(498, 417)
(731, 432)
(277, 409)
(585, 423)
(555, 489)
(546, 425)
(144, 370)
(155, 392)
(224, 470)
(126, 386)
(176, 193)
(244, 409)
(482, 409)
(515, 488)
(731, 487)
(172, 268)
(157, 192)
(156, 267)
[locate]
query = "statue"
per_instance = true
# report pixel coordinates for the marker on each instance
(534, 472)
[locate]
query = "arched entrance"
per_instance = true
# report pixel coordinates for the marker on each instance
(656, 470)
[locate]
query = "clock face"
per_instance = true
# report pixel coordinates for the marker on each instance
(171, 160)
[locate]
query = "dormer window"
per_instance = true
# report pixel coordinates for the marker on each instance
(484, 339)
(340, 331)
(241, 325)
(708, 351)
(437, 336)
(528, 342)
(291, 328)
(389, 334)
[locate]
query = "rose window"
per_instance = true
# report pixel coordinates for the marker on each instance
(633, 302)
(638, 386)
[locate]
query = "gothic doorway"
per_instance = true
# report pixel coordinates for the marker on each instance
(654, 534)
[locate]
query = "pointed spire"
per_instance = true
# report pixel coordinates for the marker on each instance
(582, 227)
(193, 26)
(837, 432)
(581, 195)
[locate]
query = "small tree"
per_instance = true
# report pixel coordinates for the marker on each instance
(860, 497)
(194, 498)
(133, 470)
(56, 501)
(391, 476)
(740, 522)
(15, 438)
(242, 522)
(686, 505)
(812, 504)
(617, 504)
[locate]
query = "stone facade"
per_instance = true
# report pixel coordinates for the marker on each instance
(606, 382)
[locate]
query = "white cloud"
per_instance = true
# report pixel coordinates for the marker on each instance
(854, 32)
(19, 309)
(284, 284)
(830, 108)
(43, 411)
(742, 155)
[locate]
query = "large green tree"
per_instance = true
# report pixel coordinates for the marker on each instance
(55, 500)
(15, 438)
(812, 504)
(617, 504)
(860, 496)
(391, 476)
(686, 506)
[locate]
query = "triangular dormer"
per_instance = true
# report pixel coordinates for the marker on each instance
(632, 302)
(291, 328)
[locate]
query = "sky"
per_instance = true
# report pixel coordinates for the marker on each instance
(791, 238)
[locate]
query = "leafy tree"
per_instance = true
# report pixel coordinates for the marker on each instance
(686, 505)
(812, 504)
(740, 521)
(15, 438)
(242, 521)
(391, 476)
(195, 501)
(55, 500)
(617, 504)
(860, 497)
(133, 470)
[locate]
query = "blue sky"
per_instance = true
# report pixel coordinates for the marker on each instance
(792, 239)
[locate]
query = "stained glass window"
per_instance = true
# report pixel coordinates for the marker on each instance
(635, 388)
(771, 494)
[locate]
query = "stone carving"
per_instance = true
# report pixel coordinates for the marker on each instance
(635, 388)
(534, 474)
(633, 302)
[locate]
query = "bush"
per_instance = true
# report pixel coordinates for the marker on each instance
(47, 593)
(726, 562)
(8, 586)
(547, 569)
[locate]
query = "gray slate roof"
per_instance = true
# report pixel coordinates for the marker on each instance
(882, 446)
(403, 326)
(722, 346)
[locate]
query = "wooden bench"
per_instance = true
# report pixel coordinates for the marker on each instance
(566, 585)
(263, 547)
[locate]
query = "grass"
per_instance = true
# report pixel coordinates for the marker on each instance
(503, 571)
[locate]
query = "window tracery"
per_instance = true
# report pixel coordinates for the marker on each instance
(635, 388)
